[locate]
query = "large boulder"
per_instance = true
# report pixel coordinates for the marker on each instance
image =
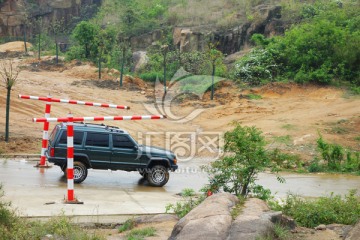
(210, 220)
(354, 234)
(140, 59)
(252, 222)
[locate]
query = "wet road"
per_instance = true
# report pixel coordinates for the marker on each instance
(118, 192)
(22, 173)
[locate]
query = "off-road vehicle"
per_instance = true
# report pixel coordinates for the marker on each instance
(105, 147)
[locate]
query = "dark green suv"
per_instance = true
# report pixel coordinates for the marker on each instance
(105, 147)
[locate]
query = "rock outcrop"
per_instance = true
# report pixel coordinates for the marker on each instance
(14, 14)
(354, 234)
(212, 220)
(268, 22)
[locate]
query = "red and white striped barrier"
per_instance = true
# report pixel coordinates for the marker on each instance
(45, 137)
(70, 160)
(57, 100)
(106, 118)
(49, 100)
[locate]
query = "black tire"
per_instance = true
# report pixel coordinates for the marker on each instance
(64, 168)
(80, 172)
(158, 176)
(142, 172)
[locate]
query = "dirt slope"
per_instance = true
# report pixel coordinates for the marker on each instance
(290, 115)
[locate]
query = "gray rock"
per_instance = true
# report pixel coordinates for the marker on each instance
(156, 218)
(354, 234)
(253, 222)
(140, 59)
(320, 227)
(210, 220)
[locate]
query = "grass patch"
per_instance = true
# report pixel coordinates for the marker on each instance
(287, 140)
(252, 96)
(357, 138)
(324, 210)
(277, 232)
(61, 227)
(128, 225)
(237, 208)
(139, 234)
(339, 130)
(289, 127)
(189, 201)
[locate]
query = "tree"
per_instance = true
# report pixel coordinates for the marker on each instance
(215, 57)
(57, 27)
(85, 34)
(245, 157)
(9, 74)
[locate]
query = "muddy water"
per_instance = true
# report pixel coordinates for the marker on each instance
(23, 174)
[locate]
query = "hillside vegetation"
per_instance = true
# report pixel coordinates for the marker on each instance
(322, 45)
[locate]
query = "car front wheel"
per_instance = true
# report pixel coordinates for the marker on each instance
(158, 176)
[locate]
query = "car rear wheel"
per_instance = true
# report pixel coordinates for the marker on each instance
(158, 176)
(80, 172)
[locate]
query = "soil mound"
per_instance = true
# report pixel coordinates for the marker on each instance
(17, 46)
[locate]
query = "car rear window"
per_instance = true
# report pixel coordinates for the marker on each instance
(97, 139)
(53, 134)
(121, 141)
(78, 138)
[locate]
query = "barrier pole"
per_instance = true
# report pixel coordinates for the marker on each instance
(45, 138)
(76, 102)
(70, 162)
(103, 118)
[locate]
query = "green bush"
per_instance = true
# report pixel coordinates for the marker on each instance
(332, 154)
(324, 210)
(188, 202)
(245, 157)
(152, 76)
(255, 67)
(323, 46)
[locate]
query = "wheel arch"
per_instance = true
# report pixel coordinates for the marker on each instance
(158, 161)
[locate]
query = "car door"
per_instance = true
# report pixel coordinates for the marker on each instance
(98, 150)
(124, 153)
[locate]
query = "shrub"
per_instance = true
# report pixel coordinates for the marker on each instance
(255, 67)
(332, 154)
(324, 210)
(188, 202)
(152, 76)
(128, 225)
(245, 158)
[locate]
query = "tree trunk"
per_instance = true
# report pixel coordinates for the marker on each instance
(39, 46)
(165, 73)
(57, 52)
(100, 67)
(7, 114)
(25, 39)
(212, 84)
(122, 67)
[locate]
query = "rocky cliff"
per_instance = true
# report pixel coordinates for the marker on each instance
(15, 14)
(267, 21)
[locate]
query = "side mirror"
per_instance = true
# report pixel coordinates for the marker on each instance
(136, 147)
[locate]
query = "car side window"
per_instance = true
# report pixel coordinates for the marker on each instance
(78, 138)
(121, 141)
(97, 139)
